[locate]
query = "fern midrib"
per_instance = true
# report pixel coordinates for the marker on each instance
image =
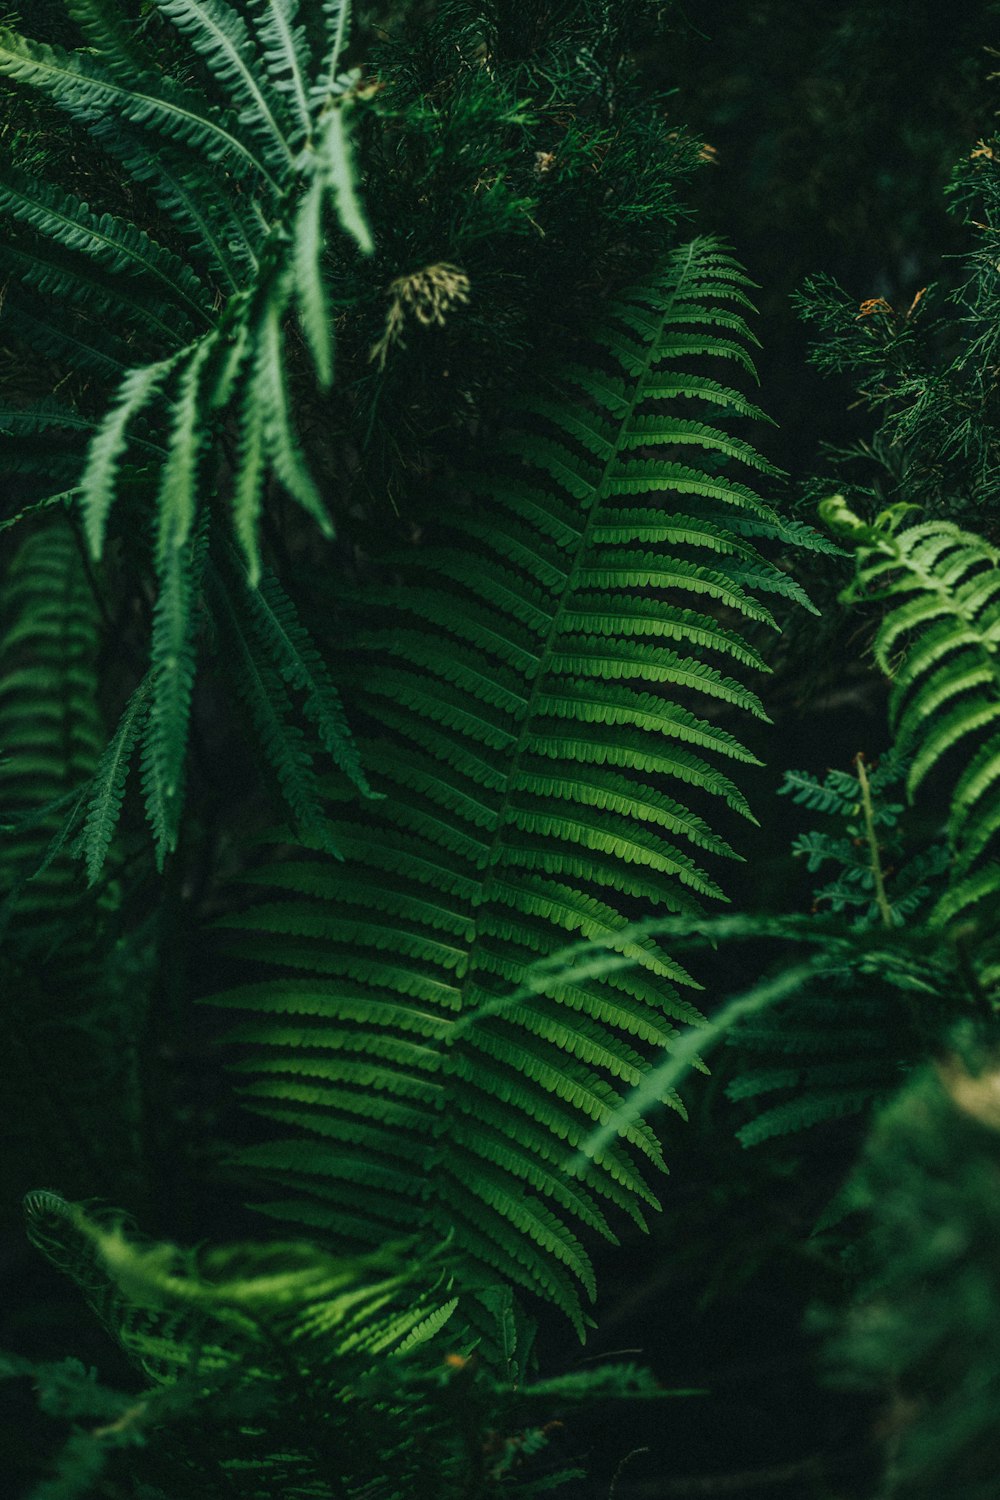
(498, 843)
(336, 42)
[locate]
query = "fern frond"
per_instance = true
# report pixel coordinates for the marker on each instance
(248, 488)
(294, 654)
(191, 341)
(173, 662)
(92, 351)
(51, 731)
(88, 290)
(245, 1305)
(286, 54)
(109, 33)
(816, 1106)
(531, 676)
(56, 936)
(270, 392)
(216, 222)
(282, 742)
(336, 19)
(938, 643)
(176, 500)
(336, 164)
(310, 292)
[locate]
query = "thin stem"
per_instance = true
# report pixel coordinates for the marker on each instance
(881, 899)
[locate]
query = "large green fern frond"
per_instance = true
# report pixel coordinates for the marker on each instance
(308, 1373)
(544, 776)
(121, 248)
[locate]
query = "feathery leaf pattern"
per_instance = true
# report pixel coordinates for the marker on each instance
(540, 780)
(254, 189)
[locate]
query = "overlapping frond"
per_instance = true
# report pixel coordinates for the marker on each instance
(78, 83)
(286, 53)
(267, 657)
(938, 644)
(173, 665)
(54, 935)
(50, 727)
(184, 325)
(552, 745)
(841, 1042)
(217, 31)
(250, 1305)
(120, 247)
(322, 1373)
(108, 31)
(830, 1052)
(107, 791)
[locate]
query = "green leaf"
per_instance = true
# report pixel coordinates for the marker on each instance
(99, 482)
